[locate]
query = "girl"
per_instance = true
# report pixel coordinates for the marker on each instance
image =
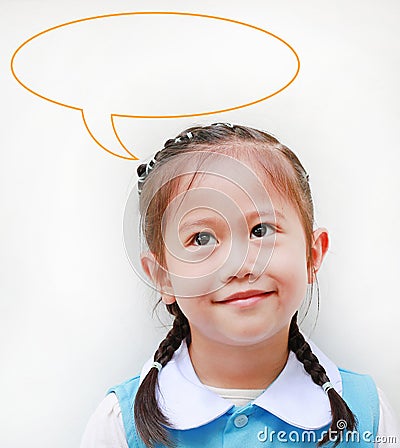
(227, 217)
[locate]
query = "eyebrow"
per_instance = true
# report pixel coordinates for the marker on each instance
(267, 213)
(201, 222)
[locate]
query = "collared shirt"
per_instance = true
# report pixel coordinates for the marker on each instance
(293, 397)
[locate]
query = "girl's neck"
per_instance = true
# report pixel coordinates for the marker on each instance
(239, 367)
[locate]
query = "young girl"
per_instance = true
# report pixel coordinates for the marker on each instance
(227, 218)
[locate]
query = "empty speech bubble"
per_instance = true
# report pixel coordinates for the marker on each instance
(153, 65)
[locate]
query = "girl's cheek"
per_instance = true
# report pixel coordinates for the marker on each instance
(194, 280)
(288, 267)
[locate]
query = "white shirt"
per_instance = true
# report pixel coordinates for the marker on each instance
(105, 428)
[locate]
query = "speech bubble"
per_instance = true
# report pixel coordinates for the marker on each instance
(128, 65)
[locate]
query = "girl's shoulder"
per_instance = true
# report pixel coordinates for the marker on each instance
(353, 382)
(126, 392)
(130, 385)
(360, 393)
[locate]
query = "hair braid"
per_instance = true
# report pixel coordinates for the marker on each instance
(339, 408)
(148, 416)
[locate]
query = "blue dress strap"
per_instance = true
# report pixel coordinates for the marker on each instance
(361, 395)
(126, 393)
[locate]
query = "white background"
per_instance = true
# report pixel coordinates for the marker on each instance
(75, 319)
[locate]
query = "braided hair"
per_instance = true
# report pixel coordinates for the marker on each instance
(289, 177)
(339, 409)
(148, 415)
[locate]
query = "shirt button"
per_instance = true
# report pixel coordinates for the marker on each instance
(240, 421)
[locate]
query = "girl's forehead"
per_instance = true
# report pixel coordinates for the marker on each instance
(220, 170)
(226, 182)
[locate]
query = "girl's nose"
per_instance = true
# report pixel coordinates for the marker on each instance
(245, 261)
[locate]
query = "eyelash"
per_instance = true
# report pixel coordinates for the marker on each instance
(269, 226)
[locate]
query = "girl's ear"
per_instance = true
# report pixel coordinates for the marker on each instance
(318, 251)
(158, 276)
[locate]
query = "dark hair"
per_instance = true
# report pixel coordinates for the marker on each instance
(158, 182)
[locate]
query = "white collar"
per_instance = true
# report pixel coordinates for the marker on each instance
(293, 396)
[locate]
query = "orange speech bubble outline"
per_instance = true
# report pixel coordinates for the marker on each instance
(241, 106)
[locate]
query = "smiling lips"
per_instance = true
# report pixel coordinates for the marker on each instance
(246, 298)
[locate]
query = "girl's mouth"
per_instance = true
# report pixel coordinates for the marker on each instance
(245, 300)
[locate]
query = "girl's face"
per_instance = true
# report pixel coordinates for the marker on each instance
(236, 257)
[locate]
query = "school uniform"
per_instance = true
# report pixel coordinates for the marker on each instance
(292, 411)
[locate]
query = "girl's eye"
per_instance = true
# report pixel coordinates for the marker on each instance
(203, 238)
(261, 230)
